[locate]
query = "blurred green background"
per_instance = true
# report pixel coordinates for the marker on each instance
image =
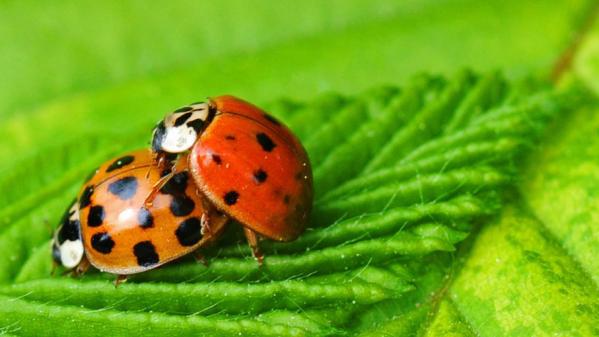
(82, 66)
(82, 80)
(58, 52)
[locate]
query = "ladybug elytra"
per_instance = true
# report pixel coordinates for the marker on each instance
(119, 234)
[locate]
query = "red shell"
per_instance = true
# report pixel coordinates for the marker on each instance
(253, 169)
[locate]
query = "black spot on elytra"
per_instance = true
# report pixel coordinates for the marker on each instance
(85, 198)
(231, 198)
(287, 199)
(145, 218)
(271, 119)
(158, 137)
(184, 109)
(181, 205)
(124, 188)
(189, 232)
(196, 124)
(117, 164)
(216, 158)
(95, 217)
(102, 242)
(183, 118)
(146, 255)
(265, 142)
(230, 137)
(176, 185)
(260, 176)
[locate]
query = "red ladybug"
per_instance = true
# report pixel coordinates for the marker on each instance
(244, 161)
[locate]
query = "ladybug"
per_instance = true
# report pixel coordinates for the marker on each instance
(111, 224)
(67, 247)
(245, 162)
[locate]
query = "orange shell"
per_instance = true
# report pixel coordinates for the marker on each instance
(253, 169)
(121, 236)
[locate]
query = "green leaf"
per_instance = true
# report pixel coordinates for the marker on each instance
(561, 186)
(548, 284)
(432, 217)
(352, 261)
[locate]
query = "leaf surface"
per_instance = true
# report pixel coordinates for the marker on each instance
(437, 211)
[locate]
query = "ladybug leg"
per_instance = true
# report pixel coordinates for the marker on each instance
(206, 230)
(200, 258)
(161, 160)
(207, 216)
(120, 279)
(163, 163)
(210, 233)
(82, 267)
(54, 267)
(252, 238)
(157, 186)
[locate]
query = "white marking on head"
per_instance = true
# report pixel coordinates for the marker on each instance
(178, 139)
(71, 253)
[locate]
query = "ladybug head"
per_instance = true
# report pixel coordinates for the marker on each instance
(179, 130)
(67, 247)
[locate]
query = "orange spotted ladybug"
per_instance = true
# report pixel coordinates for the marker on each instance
(110, 223)
(249, 165)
